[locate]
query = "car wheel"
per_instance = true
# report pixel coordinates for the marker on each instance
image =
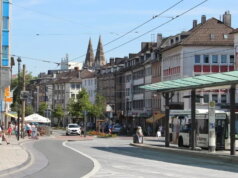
(67, 134)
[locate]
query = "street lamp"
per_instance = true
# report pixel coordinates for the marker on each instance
(18, 98)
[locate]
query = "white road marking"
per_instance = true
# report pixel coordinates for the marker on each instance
(96, 167)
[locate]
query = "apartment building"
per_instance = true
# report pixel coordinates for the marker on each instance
(206, 48)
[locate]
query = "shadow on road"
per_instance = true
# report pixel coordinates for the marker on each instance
(172, 158)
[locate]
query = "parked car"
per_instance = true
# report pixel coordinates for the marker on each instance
(116, 128)
(73, 129)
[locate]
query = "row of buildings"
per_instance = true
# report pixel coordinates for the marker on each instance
(208, 47)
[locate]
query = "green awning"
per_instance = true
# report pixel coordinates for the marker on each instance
(202, 81)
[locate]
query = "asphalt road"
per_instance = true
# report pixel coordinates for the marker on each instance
(62, 162)
(118, 159)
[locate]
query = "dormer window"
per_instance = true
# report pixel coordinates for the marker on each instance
(177, 39)
(212, 36)
(171, 41)
(225, 36)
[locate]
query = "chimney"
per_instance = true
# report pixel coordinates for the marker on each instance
(159, 39)
(111, 61)
(227, 18)
(203, 19)
(195, 22)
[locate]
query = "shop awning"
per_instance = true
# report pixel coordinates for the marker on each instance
(155, 117)
(11, 115)
(202, 81)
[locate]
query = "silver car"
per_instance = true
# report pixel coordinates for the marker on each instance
(73, 129)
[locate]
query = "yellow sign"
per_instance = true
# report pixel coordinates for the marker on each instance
(8, 100)
(7, 92)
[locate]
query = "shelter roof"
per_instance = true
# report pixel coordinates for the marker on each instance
(197, 82)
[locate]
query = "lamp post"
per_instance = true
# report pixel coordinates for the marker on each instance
(18, 98)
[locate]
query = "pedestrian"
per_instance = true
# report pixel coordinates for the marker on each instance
(149, 130)
(3, 136)
(139, 134)
(34, 132)
(158, 134)
(9, 130)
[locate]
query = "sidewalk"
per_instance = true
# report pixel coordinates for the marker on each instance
(13, 156)
(155, 144)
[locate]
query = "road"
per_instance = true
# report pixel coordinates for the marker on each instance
(118, 159)
(63, 162)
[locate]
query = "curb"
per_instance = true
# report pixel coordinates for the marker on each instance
(224, 158)
(10, 170)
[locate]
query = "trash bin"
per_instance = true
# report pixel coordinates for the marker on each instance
(135, 139)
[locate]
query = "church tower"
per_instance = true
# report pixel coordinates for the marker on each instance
(100, 58)
(89, 60)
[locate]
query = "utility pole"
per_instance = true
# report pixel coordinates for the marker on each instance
(85, 122)
(23, 101)
(18, 98)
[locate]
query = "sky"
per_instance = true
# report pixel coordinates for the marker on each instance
(43, 31)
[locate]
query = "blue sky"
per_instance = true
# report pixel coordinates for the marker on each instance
(48, 29)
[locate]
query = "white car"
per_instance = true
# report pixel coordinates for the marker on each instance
(73, 129)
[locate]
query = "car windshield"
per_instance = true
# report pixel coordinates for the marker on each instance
(73, 126)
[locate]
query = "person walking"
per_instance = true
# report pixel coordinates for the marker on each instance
(3, 136)
(139, 134)
(9, 130)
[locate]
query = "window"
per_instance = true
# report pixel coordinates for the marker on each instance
(223, 59)
(223, 99)
(5, 23)
(225, 36)
(202, 126)
(72, 86)
(236, 126)
(197, 59)
(73, 96)
(215, 98)
(212, 36)
(206, 98)
(232, 59)
(5, 52)
(197, 99)
(78, 86)
(214, 59)
(206, 59)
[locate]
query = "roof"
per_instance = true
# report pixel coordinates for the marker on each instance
(201, 35)
(234, 31)
(197, 82)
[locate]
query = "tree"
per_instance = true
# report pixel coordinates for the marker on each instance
(82, 103)
(42, 108)
(29, 110)
(17, 87)
(58, 112)
(99, 107)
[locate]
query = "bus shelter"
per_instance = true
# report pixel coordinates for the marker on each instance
(167, 88)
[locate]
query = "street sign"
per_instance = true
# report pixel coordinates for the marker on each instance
(9, 100)
(24, 95)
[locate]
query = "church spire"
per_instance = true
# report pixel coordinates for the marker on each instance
(100, 58)
(89, 60)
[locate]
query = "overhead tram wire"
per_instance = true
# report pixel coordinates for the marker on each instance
(154, 17)
(177, 16)
(130, 31)
(34, 59)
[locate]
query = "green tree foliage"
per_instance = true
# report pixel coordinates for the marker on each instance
(81, 104)
(58, 112)
(99, 107)
(17, 87)
(42, 108)
(29, 110)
